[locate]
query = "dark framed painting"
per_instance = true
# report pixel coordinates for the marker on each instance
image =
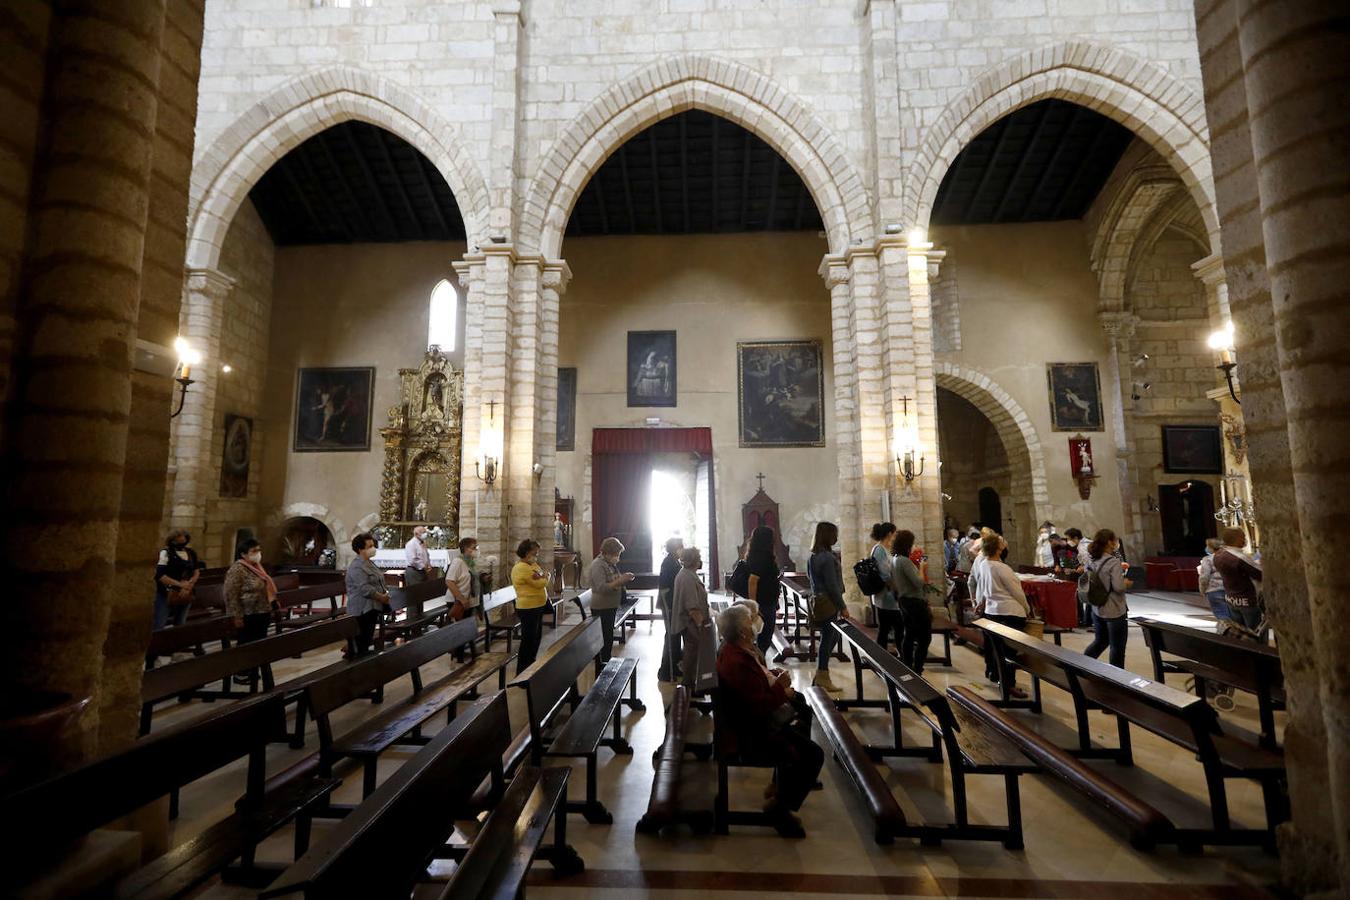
(236, 456)
(651, 368)
(1075, 397)
(780, 393)
(1192, 449)
(567, 409)
(332, 409)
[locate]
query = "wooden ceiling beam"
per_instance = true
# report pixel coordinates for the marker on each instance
(382, 147)
(330, 218)
(773, 191)
(746, 144)
(1027, 150)
(1053, 161)
(367, 227)
(600, 200)
(684, 171)
(716, 220)
(656, 180)
(422, 164)
(1004, 126)
(622, 153)
(349, 133)
(1084, 163)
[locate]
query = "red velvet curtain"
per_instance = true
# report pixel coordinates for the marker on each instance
(621, 474)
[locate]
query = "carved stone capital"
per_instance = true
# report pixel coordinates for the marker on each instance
(210, 283)
(834, 271)
(556, 275)
(1210, 270)
(1118, 324)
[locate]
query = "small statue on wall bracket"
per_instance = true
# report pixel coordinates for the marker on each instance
(1082, 465)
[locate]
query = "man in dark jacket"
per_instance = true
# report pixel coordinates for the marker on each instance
(665, 586)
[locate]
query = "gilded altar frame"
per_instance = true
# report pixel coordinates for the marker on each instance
(423, 438)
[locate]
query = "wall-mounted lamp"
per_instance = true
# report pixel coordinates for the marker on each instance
(538, 472)
(1141, 359)
(187, 358)
(490, 448)
(907, 447)
(1223, 341)
(1139, 389)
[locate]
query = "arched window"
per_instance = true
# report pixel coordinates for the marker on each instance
(443, 321)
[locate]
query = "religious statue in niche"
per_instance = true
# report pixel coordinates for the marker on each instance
(420, 482)
(1082, 465)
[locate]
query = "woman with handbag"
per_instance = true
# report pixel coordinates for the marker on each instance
(689, 613)
(250, 598)
(176, 575)
(827, 598)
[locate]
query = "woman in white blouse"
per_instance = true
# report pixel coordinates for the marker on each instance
(999, 597)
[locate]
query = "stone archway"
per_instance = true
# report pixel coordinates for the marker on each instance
(715, 85)
(225, 172)
(342, 536)
(1030, 496)
(1144, 97)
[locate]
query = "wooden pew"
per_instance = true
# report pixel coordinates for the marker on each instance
(1183, 719)
(1246, 665)
(501, 598)
(851, 755)
(383, 847)
(623, 615)
(51, 815)
(418, 616)
(401, 723)
(663, 806)
(551, 681)
(189, 678)
(291, 601)
(1147, 826)
(177, 638)
(970, 746)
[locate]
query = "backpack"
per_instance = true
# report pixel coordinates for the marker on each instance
(869, 577)
(738, 582)
(1091, 589)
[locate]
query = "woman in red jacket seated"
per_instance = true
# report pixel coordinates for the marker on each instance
(758, 706)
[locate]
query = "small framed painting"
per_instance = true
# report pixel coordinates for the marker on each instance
(332, 410)
(1075, 396)
(781, 390)
(651, 368)
(567, 409)
(236, 456)
(1192, 449)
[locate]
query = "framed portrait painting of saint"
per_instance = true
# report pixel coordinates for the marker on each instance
(651, 368)
(332, 409)
(1192, 449)
(781, 390)
(566, 438)
(236, 456)
(1075, 396)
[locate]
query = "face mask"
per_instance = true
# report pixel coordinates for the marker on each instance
(255, 558)
(180, 545)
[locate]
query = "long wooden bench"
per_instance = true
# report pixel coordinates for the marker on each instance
(551, 681)
(796, 592)
(418, 615)
(968, 744)
(1181, 718)
(50, 816)
(1146, 825)
(663, 806)
(852, 756)
(190, 677)
(295, 607)
(1245, 665)
(402, 722)
(623, 614)
(503, 598)
(383, 847)
(190, 636)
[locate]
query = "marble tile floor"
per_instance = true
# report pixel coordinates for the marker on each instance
(1071, 851)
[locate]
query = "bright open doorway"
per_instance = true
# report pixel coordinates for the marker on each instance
(674, 510)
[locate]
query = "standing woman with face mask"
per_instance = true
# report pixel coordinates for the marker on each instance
(366, 592)
(250, 595)
(175, 578)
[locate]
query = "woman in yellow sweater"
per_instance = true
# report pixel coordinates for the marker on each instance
(531, 586)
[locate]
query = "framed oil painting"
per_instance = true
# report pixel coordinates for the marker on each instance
(332, 409)
(567, 409)
(1192, 449)
(781, 391)
(1075, 396)
(651, 368)
(236, 456)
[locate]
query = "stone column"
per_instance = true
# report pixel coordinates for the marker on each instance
(194, 431)
(77, 313)
(874, 467)
(552, 283)
(835, 272)
(923, 265)
(1296, 68)
(524, 410)
(507, 23)
(1307, 851)
(1119, 328)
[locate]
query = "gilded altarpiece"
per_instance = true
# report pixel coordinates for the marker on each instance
(420, 483)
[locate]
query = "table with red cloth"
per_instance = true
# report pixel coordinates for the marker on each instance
(1057, 600)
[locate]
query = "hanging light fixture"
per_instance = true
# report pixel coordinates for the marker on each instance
(909, 458)
(489, 448)
(1223, 341)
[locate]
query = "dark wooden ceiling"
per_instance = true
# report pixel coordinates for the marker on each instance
(1044, 162)
(356, 183)
(694, 173)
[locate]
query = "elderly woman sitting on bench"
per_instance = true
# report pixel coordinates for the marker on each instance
(758, 714)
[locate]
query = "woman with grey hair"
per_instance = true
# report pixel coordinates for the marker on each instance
(606, 588)
(758, 709)
(689, 612)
